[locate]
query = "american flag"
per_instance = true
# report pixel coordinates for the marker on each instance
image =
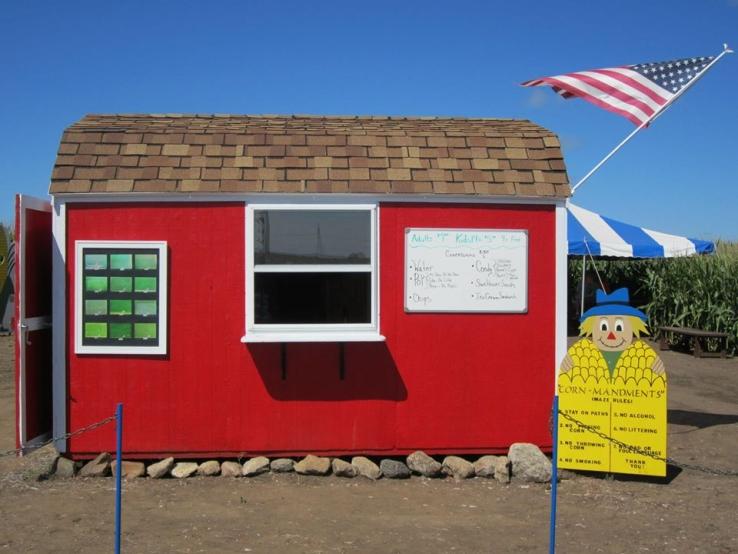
(636, 92)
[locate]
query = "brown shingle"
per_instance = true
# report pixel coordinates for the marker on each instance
(238, 186)
(62, 172)
(175, 149)
(218, 139)
(155, 185)
(133, 149)
(316, 173)
(365, 186)
(286, 161)
(202, 161)
(94, 172)
(453, 188)
(137, 173)
(117, 161)
(326, 140)
(485, 163)
(284, 186)
(326, 186)
(198, 185)
(179, 173)
(458, 142)
(411, 187)
(406, 141)
(98, 149)
(495, 189)
(158, 161)
(380, 155)
(113, 185)
(70, 136)
(486, 142)
(122, 138)
(68, 148)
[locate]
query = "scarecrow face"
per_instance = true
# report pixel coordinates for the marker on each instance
(612, 333)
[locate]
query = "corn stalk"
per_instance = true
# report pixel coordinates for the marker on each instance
(699, 291)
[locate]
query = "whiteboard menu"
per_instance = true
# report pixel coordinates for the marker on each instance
(466, 270)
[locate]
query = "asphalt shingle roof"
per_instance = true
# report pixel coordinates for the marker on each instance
(174, 153)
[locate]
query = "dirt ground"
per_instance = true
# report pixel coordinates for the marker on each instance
(687, 512)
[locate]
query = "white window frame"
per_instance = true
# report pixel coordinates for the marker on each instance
(162, 292)
(348, 332)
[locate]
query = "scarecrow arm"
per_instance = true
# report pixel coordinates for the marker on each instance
(658, 366)
(567, 363)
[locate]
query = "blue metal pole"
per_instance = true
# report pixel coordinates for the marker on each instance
(554, 475)
(118, 471)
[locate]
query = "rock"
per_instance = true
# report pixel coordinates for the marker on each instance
(342, 468)
(282, 465)
(313, 465)
(99, 467)
(457, 467)
(420, 462)
(64, 467)
(183, 470)
(44, 463)
(529, 463)
(209, 468)
(129, 470)
(565, 474)
(366, 468)
(394, 469)
(160, 469)
(502, 470)
(255, 466)
(485, 466)
(230, 469)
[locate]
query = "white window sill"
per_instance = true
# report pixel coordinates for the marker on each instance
(312, 337)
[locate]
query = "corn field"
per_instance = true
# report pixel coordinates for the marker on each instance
(699, 291)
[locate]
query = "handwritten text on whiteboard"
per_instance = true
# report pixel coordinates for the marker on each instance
(466, 270)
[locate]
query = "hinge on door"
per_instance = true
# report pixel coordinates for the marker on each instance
(24, 331)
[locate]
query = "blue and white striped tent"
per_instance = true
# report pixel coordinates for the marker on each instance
(595, 234)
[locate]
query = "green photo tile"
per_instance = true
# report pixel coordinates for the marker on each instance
(146, 331)
(120, 307)
(96, 261)
(121, 284)
(146, 308)
(96, 330)
(120, 331)
(96, 284)
(146, 262)
(121, 261)
(96, 307)
(145, 284)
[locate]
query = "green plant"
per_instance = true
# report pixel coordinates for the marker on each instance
(699, 291)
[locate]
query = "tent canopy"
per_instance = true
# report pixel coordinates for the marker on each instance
(591, 233)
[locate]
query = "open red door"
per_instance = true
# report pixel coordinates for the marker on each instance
(33, 321)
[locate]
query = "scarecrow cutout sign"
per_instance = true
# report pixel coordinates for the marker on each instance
(613, 383)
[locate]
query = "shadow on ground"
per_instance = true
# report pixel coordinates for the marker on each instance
(700, 420)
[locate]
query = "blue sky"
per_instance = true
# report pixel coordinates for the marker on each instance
(61, 60)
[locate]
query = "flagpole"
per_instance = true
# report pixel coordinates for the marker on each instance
(673, 99)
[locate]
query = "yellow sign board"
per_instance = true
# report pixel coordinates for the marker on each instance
(633, 413)
(612, 394)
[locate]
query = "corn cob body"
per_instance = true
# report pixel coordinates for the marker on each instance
(635, 364)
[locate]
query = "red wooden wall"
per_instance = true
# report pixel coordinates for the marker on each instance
(440, 382)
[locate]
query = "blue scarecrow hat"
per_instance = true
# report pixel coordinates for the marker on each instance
(616, 303)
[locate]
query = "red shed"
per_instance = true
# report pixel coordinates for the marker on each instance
(288, 285)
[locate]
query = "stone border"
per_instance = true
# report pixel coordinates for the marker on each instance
(524, 461)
